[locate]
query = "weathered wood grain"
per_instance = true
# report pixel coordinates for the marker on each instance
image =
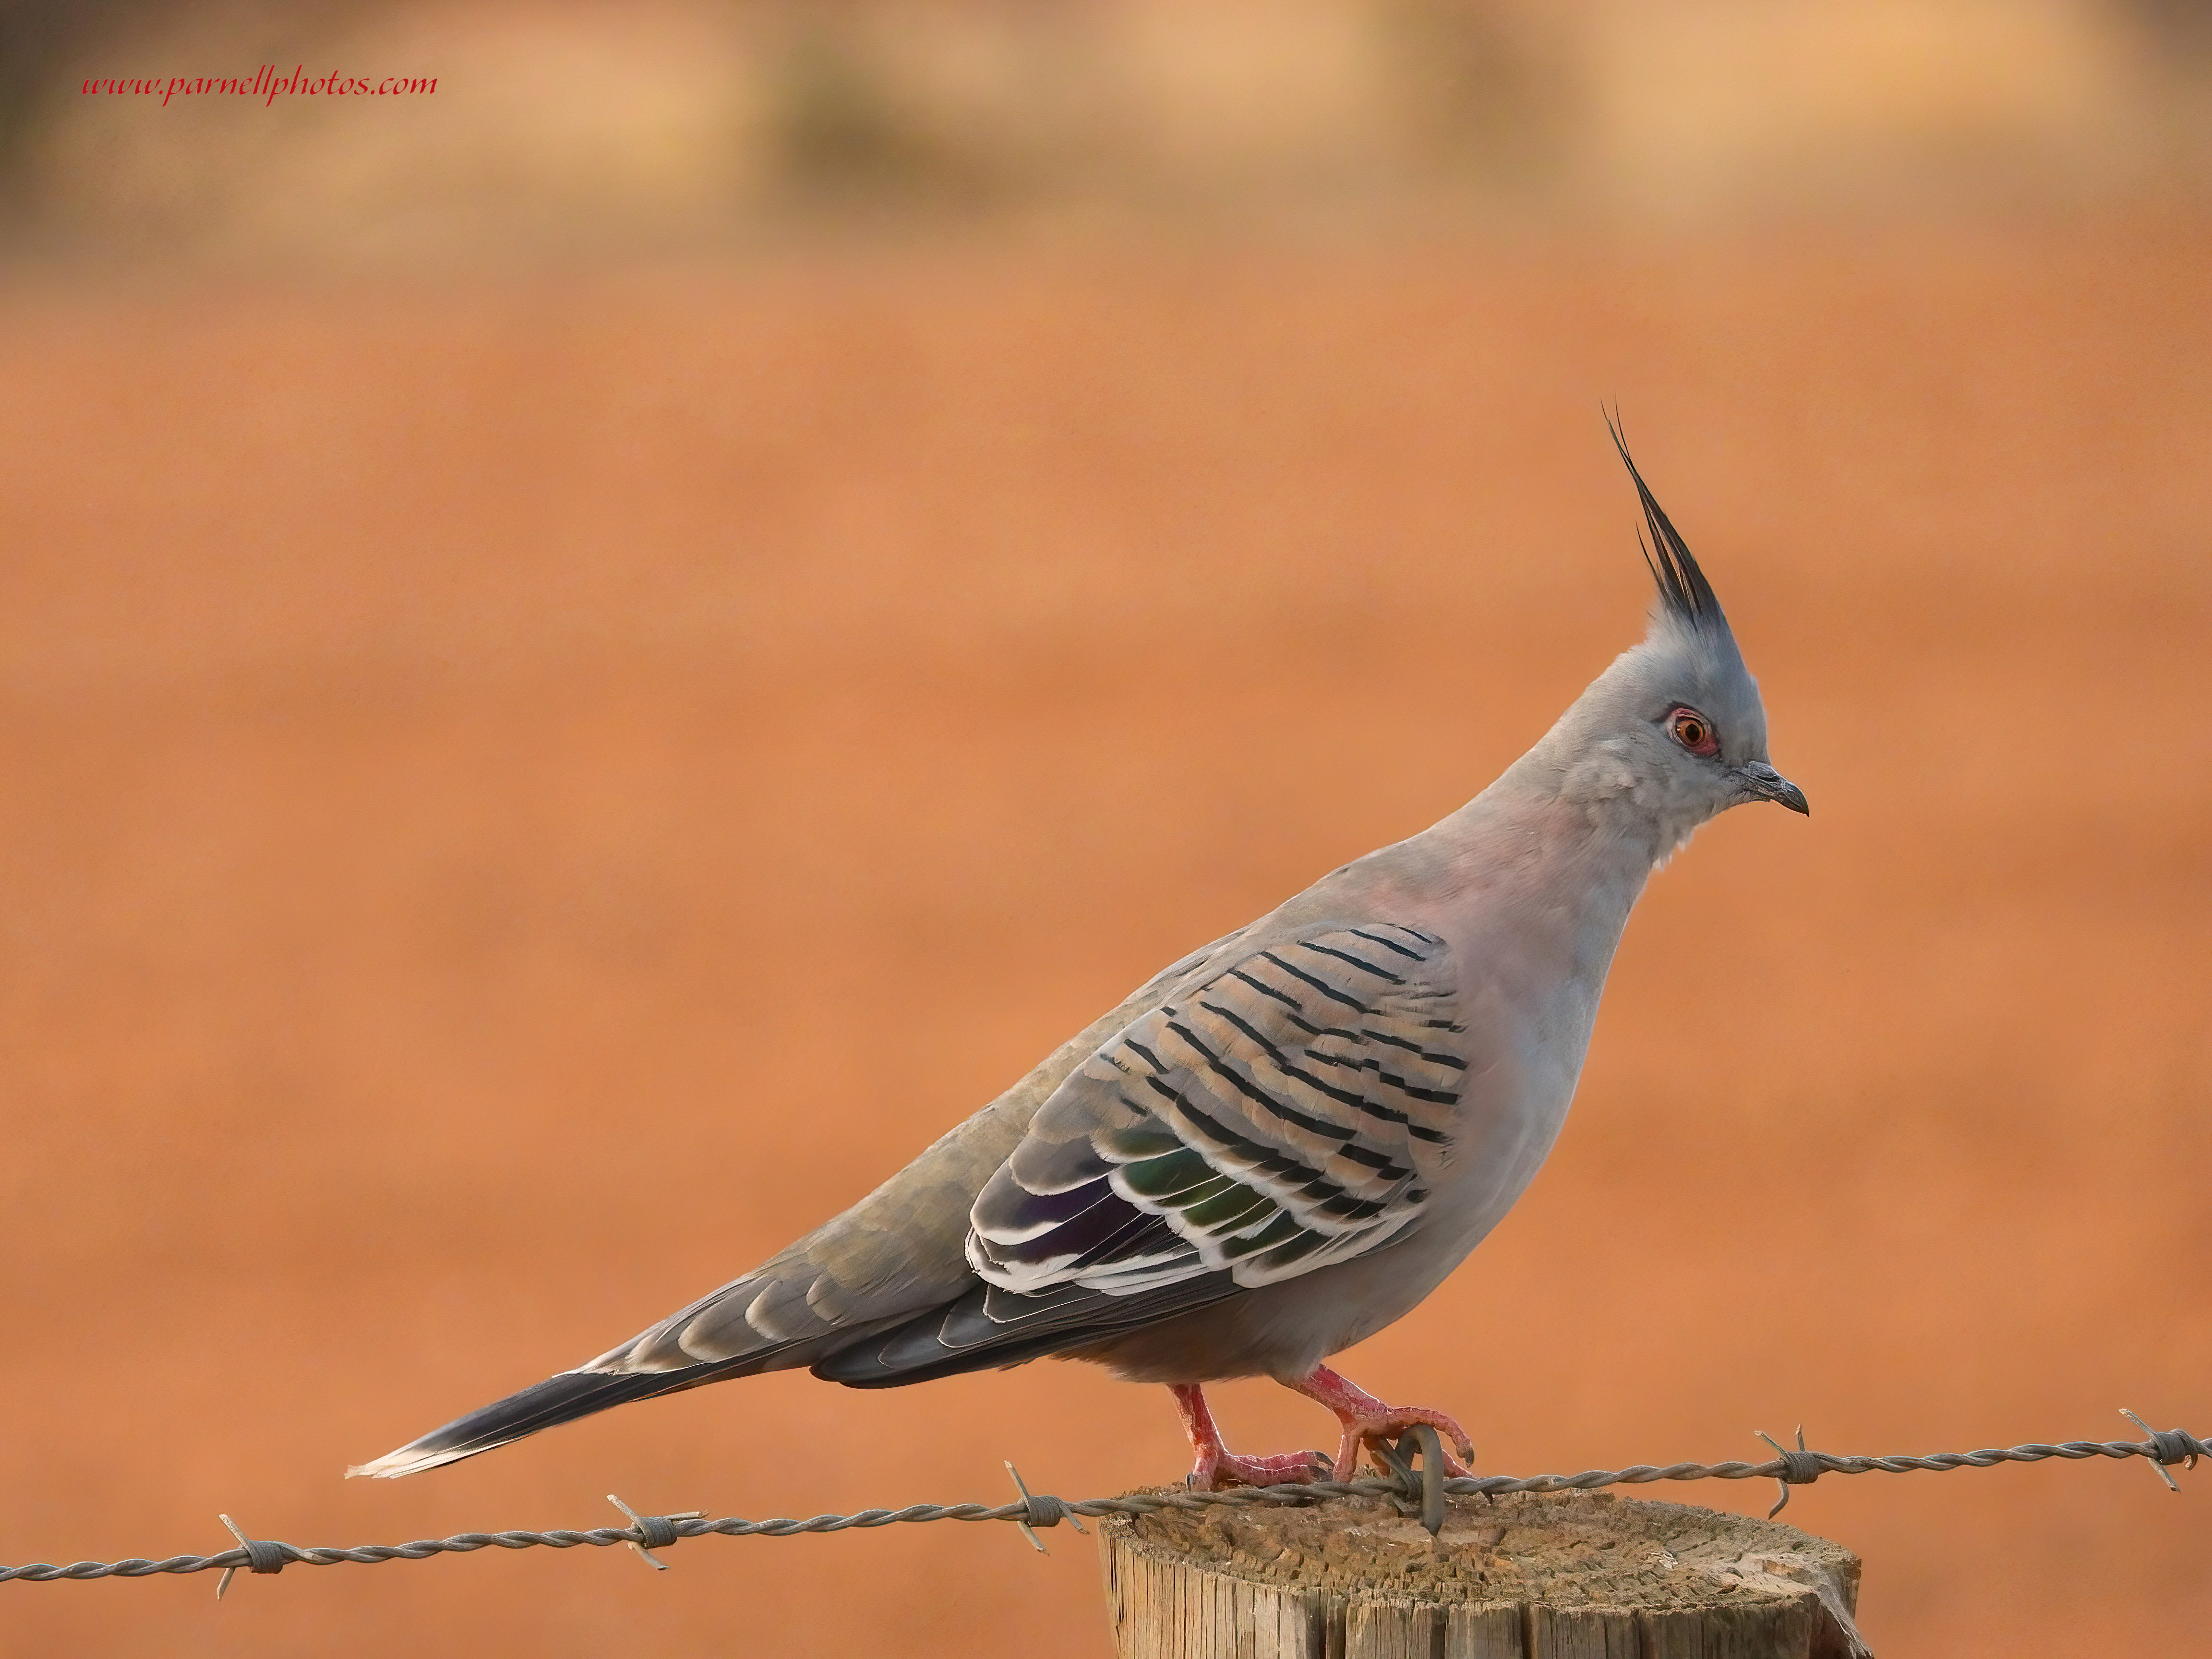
(1569, 1577)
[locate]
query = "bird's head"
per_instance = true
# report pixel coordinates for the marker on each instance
(1675, 727)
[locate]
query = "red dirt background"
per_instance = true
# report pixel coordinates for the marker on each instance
(519, 800)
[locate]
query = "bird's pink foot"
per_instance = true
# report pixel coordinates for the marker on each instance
(1220, 1470)
(1368, 1422)
(1218, 1467)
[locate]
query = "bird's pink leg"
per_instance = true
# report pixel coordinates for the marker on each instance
(1369, 1423)
(1219, 1467)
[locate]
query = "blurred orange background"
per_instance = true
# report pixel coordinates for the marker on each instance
(546, 752)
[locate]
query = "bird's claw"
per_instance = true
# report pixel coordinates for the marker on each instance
(1369, 1434)
(1222, 1470)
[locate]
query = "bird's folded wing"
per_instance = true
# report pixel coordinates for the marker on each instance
(1293, 1109)
(1285, 1107)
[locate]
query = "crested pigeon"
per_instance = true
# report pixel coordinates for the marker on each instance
(1283, 1142)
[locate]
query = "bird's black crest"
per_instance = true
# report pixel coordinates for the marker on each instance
(1682, 586)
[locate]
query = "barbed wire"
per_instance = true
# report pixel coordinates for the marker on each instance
(1416, 1462)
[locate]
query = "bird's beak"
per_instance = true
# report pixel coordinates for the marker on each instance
(1767, 784)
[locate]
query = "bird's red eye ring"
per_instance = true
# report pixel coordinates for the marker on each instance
(1693, 731)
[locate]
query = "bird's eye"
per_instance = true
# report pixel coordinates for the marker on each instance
(1693, 731)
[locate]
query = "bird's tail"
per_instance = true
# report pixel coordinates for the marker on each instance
(557, 1400)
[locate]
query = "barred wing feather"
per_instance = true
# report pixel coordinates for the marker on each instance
(1293, 1109)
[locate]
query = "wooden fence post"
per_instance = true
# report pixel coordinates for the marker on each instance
(1566, 1576)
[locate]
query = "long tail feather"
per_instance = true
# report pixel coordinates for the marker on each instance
(557, 1400)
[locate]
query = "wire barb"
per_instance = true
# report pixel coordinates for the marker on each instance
(2168, 1446)
(654, 1532)
(261, 1555)
(1420, 1483)
(1039, 1510)
(1791, 1467)
(1799, 1468)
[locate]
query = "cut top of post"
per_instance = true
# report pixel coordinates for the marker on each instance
(1524, 1576)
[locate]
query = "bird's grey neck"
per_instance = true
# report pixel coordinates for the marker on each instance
(1561, 841)
(1591, 792)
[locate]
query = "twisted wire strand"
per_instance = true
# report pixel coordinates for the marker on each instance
(2164, 1447)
